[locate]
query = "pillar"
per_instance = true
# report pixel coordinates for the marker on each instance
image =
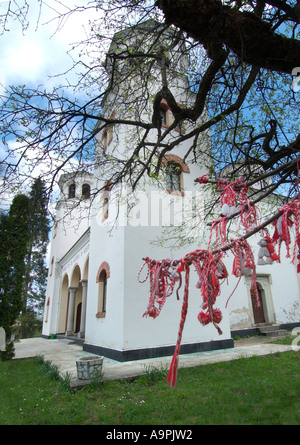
(81, 332)
(71, 310)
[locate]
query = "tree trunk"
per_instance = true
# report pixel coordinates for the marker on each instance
(249, 37)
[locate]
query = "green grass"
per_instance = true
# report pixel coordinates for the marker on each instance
(288, 340)
(257, 390)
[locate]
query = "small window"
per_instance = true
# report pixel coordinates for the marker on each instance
(105, 209)
(173, 175)
(107, 136)
(51, 266)
(102, 287)
(163, 116)
(86, 191)
(55, 229)
(166, 114)
(72, 190)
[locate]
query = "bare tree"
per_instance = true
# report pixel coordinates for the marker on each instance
(243, 59)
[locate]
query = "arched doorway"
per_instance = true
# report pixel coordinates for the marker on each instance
(78, 318)
(63, 306)
(84, 284)
(75, 295)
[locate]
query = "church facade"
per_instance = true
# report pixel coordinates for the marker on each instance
(98, 246)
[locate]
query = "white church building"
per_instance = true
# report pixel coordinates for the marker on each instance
(93, 295)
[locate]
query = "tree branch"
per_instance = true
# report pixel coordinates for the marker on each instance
(209, 21)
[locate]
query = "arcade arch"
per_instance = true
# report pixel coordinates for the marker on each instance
(63, 307)
(73, 295)
(85, 269)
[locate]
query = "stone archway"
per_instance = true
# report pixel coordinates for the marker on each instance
(75, 295)
(63, 305)
(75, 276)
(85, 269)
(84, 284)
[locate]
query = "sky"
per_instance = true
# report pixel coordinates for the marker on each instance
(30, 58)
(36, 56)
(39, 52)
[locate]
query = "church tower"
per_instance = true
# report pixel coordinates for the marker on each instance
(128, 222)
(72, 223)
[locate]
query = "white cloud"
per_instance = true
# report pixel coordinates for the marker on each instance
(23, 60)
(40, 51)
(35, 56)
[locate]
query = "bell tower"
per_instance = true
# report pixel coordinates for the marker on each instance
(139, 64)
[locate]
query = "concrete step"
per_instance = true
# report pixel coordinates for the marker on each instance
(273, 331)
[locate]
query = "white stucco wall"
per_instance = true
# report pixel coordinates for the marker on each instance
(145, 332)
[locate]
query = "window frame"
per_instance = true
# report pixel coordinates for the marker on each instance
(72, 191)
(108, 133)
(168, 117)
(102, 294)
(83, 194)
(170, 157)
(102, 277)
(173, 177)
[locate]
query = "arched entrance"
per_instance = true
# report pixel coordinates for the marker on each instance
(63, 306)
(84, 285)
(75, 294)
(78, 318)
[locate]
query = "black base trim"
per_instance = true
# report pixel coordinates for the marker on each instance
(162, 351)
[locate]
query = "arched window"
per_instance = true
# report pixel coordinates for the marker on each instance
(104, 199)
(102, 287)
(163, 116)
(173, 174)
(105, 209)
(72, 189)
(86, 191)
(107, 134)
(102, 276)
(51, 266)
(55, 229)
(165, 113)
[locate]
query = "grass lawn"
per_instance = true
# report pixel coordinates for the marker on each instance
(257, 390)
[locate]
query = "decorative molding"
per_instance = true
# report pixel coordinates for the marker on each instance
(103, 266)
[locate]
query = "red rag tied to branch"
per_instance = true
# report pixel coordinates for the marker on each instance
(249, 216)
(163, 277)
(244, 264)
(210, 270)
(166, 273)
(290, 215)
(202, 179)
(228, 196)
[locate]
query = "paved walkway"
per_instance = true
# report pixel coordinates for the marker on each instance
(64, 353)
